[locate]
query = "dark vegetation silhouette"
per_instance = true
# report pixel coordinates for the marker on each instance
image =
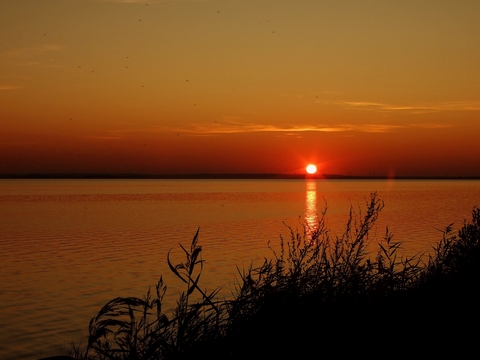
(320, 296)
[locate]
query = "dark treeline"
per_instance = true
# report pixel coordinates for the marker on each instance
(228, 176)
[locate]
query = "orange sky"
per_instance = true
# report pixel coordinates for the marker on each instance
(240, 86)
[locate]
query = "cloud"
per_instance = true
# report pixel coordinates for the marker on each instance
(147, 2)
(236, 127)
(30, 52)
(10, 87)
(131, 1)
(105, 137)
(16, 143)
(432, 126)
(460, 106)
(114, 135)
(466, 105)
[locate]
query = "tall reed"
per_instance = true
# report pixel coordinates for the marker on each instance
(316, 290)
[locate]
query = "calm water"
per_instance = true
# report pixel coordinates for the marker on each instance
(69, 246)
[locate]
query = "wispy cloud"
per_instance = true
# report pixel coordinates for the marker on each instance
(146, 2)
(104, 137)
(131, 1)
(431, 126)
(413, 108)
(30, 52)
(236, 127)
(10, 87)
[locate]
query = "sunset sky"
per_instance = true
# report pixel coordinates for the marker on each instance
(356, 87)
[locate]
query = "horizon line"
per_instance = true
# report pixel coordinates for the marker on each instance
(231, 176)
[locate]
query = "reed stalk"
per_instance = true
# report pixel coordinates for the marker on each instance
(316, 291)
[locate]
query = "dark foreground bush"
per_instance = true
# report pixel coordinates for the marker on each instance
(319, 296)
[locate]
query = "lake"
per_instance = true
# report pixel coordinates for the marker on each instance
(69, 246)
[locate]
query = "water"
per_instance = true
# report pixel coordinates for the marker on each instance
(69, 246)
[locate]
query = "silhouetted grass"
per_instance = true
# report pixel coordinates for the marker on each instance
(318, 296)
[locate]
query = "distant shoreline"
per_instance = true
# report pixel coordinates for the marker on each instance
(230, 176)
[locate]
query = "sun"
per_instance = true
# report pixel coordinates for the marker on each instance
(311, 169)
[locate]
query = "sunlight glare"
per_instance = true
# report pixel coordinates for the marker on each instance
(311, 169)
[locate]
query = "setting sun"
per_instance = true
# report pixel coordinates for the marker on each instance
(311, 169)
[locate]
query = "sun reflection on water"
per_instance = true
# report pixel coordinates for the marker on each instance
(311, 213)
